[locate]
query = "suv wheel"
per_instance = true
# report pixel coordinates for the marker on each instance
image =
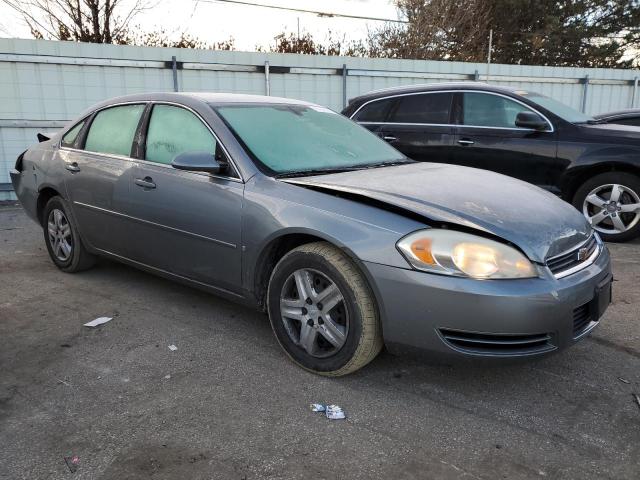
(322, 310)
(611, 203)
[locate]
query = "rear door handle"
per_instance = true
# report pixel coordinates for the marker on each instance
(146, 182)
(390, 138)
(466, 142)
(72, 167)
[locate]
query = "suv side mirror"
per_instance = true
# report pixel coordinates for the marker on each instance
(197, 162)
(531, 120)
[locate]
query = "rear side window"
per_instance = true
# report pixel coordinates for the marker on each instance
(175, 130)
(71, 136)
(375, 111)
(484, 110)
(422, 108)
(113, 129)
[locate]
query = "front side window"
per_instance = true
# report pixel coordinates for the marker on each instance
(431, 108)
(71, 136)
(557, 108)
(288, 139)
(175, 130)
(375, 111)
(113, 129)
(485, 110)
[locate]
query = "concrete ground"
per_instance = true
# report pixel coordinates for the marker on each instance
(228, 404)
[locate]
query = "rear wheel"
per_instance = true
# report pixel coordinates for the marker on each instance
(322, 310)
(611, 203)
(62, 238)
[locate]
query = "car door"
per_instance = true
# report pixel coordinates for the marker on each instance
(97, 156)
(488, 138)
(185, 223)
(417, 124)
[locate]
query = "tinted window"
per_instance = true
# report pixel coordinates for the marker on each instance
(70, 138)
(484, 110)
(298, 138)
(423, 108)
(174, 130)
(375, 111)
(112, 130)
(633, 121)
(560, 109)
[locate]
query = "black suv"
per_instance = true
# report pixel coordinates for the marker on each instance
(593, 165)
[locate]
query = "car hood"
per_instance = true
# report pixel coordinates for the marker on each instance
(541, 224)
(612, 130)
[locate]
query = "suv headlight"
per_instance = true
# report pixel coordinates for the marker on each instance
(455, 253)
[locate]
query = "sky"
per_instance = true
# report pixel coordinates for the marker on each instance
(250, 26)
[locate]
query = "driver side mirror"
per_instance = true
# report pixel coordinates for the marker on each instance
(198, 162)
(531, 120)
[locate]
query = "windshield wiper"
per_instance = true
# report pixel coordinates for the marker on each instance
(326, 171)
(592, 121)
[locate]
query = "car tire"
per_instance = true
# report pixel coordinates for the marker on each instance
(333, 339)
(62, 239)
(594, 200)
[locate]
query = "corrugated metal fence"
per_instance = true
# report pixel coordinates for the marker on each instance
(43, 84)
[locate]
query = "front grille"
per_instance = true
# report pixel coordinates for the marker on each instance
(581, 319)
(495, 344)
(575, 257)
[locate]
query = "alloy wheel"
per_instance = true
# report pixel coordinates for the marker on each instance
(314, 314)
(60, 237)
(612, 208)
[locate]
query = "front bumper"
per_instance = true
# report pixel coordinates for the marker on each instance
(494, 318)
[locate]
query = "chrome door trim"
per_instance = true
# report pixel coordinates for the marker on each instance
(454, 125)
(159, 225)
(124, 157)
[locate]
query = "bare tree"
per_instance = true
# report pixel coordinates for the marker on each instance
(96, 21)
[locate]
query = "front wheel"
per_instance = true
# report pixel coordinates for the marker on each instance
(322, 310)
(611, 203)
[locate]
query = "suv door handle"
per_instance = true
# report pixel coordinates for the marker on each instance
(389, 138)
(465, 141)
(72, 167)
(146, 182)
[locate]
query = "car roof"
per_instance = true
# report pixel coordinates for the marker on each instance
(628, 112)
(431, 87)
(207, 97)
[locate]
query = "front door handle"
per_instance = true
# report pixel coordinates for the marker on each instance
(72, 167)
(390, 138)
(146, 182)
(466, 142)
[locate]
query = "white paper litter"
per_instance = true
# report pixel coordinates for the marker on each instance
(173, 348)
(98, 321)
(334, 412)
(317, 407)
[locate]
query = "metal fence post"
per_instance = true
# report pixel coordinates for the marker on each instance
(344, 85)
(585, 91)
(634, 94)
(174, 67)
(267, 84)
(476, 76)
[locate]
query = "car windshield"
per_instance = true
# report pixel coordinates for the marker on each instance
(305, 139)
(559, 109)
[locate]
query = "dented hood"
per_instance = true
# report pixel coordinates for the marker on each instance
(538, 222)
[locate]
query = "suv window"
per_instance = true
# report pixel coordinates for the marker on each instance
(70, 137)
(174, 130)
(422, 108)
(486, 110)
(375, 111)
(112, 130)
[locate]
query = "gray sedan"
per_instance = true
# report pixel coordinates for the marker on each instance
(296, 210)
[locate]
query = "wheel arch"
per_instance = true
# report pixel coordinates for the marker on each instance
(282, 243)
(577, 176)
(45, 193)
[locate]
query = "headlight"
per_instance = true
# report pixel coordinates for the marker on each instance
(455, 253)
